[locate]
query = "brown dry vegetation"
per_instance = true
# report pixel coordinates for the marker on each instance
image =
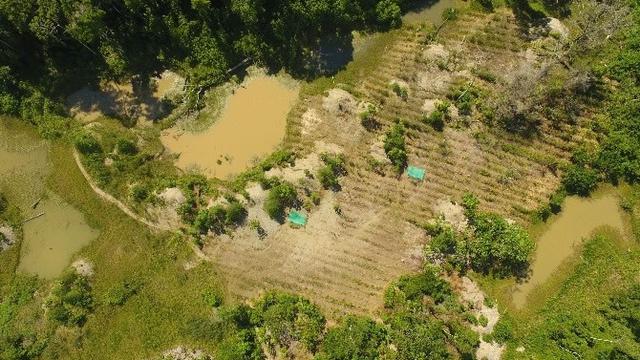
(345, 261)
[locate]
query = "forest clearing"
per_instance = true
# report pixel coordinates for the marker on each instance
(366, 179)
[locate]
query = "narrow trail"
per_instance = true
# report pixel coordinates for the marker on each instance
(109, 198)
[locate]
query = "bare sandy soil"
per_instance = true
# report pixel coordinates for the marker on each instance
(121, 101)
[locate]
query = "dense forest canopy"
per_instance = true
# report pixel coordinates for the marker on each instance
(50, 47)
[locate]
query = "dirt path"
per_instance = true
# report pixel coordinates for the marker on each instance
(104, 195)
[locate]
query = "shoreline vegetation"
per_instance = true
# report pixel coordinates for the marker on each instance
(149, 286)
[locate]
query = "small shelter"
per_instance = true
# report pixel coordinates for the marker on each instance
(416, 173)
(297, 218)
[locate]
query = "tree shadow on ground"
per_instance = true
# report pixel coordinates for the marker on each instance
(327, 56)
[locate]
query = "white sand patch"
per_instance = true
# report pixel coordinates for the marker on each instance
(376, 150)
(414, 236)
(169, 85)
(322, 147)
(182, 353)
(310, 121)
(557, 27)
(429, 106)
(310, 163)
(83, 267)
(8, 238)
(166, 214)
(453, 214)
(339, 102)
(434, 81)
(471, 294)
(172, 196)
(435, 52)
(489, 351)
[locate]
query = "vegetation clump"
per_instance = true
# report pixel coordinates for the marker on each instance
(354, 338)
(219, 217)
(280, 197)
(368, 118)
(400, 91)
(71, 301)
(334, 167)
(4, 204)
(492, 245)
(465, 97)
(438, 117)
(394, 146)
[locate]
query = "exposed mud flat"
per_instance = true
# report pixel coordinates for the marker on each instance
(428, 11)
(578, 219)
(123, 101)
(252, 124)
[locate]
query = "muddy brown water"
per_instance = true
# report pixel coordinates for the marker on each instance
(428, 11)
(51, 240)
(252, 124)
(577, 221)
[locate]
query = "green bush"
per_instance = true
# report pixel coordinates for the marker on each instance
(437, 117)
(3, 203)
(126, 147)
(503, 331)
(354, 338)
(449, 14)
(334, 167)
(580, 180)
(556, 200)
(87, 144)
(280, 197)
(499, 247)
(284, 318)
(213, 219)
(394, 146)
(426, 283)
(212, 297)
(236, 213)
(464, 97)
(368, 118)
(388, 14)
(444, 241)
(470, 204)
(400, 91)
(140, 192)
(119, 294)
(70, 301)
(483, 73)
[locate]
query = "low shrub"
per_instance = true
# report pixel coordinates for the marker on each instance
(580, 180)
(400, 91)
(140, 192)
(3, 203)
(280, 197)
(437, 117)
(70, 302)
(87, 144)
(126, 147)
(394, 146)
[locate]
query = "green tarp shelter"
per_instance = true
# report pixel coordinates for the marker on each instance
(297, 219)
(416, 172)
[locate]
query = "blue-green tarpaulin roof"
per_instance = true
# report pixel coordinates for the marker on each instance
(297, 218)
(416, 172)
